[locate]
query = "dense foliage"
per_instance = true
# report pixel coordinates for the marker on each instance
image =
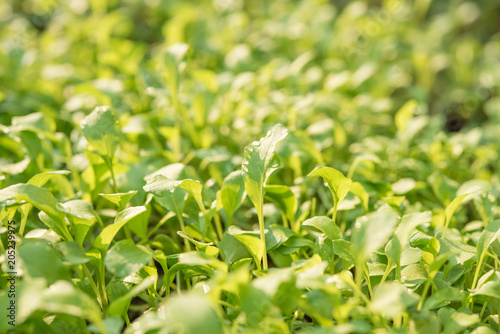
(237, 166)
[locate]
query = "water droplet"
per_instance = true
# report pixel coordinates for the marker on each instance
(357, 225)
(244, 168)
(249, 149)
(268, 133)
(364, 219)
(326, 184)
(171, 190)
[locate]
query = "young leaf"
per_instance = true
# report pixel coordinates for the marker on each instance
(325, 225)
(40, 179)
(159, 185)
(372, 232)
(43, 200)
(487, 237)
(119, 306)
(392, 300)
(231, 194)
(72, 252)
(450, 209)
(120, 199)
(339, 185)
(107, 235)
(126, 258)
(284, 198)
(100, 129)
(401, 236)
(254, 245)
(39, 259)
(259, 162)
(358, 190)
(403, 116)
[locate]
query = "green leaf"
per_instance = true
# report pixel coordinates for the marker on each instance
(189, 237)
(72, 252)
(120, 199)
(372, 232)
(60, 297)
(40, 198)
(487, 237)
(179, 311)
(107, 235)
(326, 226)
(284, 198)
(40, 179)
(450, 209)
(345, 250)
(199, 262)
(100, 129)
(125, 258)
(119, 306)
(39, 259)
(254, 245)
(232, 250)
(231, 194)
(400, 240)
(414, 274)
(358, 190)
(339, 185)
(159, 185)
(403, 116)
(392, 300)
(403, 186)
(162, 186)
(489, 287)
(457, 321)
(259, 162)
(82, 216)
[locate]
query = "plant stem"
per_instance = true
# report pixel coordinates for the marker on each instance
(109, 162)
(445, 227)
(218, 225)
(424, 293)
(388, 270)
(476, 277)
(94, 287)
(260, 214)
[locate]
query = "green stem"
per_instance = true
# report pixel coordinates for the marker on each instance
(482, 310)
(367, 278)
(102, 282)
(218, 226)
(334, 215)
(476, 277)
(478, 268)
(178, 282)
(359, 281)
(109, 163)
(445, 227)
(24, 218)
(424, 293)
(388, 270)
(94, 286)
(260, 214)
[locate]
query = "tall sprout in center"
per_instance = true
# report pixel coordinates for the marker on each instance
(260, 160)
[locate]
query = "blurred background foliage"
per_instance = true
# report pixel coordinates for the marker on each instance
(200, 79)
(401, 96)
